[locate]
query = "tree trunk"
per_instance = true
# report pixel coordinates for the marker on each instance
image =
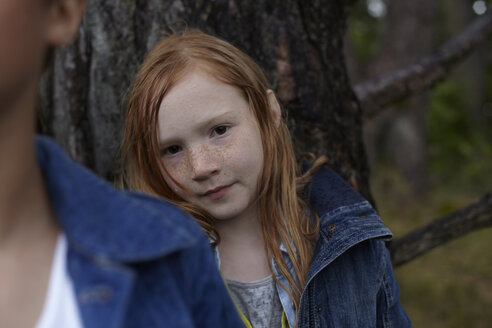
(297, 43)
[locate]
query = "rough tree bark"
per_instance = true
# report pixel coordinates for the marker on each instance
(297, 43)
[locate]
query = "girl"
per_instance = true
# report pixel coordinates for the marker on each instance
(204, 131)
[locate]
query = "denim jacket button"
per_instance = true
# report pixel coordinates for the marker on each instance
(319, 309)
(331, 227)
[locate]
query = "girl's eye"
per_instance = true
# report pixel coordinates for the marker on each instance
(219, 130)
(171, 150)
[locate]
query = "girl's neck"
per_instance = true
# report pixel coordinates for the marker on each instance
(244, 228)
(242, 250)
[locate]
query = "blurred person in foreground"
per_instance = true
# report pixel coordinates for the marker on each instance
(74, 252)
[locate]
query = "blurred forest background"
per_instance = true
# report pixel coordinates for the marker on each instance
(430, 154)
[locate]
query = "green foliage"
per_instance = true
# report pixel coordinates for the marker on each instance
(460, 148)
(364, 32)
(488, 82)
(450, 285)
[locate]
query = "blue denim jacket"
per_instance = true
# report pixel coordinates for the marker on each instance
(134, 261)
(350, 282)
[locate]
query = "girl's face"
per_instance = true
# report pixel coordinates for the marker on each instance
(210, 143)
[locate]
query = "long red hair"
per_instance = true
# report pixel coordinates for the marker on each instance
(282, 212)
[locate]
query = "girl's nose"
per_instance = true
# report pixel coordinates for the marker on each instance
(203, 163)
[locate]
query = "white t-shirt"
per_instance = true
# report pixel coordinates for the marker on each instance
(60, 306)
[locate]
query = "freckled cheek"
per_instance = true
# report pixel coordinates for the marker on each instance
(175, 172)
(241, 157)
(251, 156)
(227, 157)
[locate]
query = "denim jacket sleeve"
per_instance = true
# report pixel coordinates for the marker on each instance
(390, 312)
(211, 303)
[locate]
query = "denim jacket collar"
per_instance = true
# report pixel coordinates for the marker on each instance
(98, 220)
(346, 219)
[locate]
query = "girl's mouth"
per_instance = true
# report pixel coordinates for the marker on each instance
(217, 192)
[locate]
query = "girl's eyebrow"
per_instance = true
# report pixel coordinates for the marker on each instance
(210, 121)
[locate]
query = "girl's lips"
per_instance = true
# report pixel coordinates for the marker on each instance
(218, 192)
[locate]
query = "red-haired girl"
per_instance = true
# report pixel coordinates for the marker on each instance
(204, 131)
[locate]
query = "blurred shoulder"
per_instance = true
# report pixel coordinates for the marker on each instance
(102, 220)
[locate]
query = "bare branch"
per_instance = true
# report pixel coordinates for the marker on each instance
(473, 217)
(378, 93)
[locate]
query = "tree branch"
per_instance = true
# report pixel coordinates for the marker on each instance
(376, 94)
(472, 217)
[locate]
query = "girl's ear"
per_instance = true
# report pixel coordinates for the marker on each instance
(64, 17)
(274, 107)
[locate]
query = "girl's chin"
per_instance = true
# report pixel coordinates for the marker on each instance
(227, 215)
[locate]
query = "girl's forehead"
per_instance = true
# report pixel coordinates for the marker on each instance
(199, 87)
